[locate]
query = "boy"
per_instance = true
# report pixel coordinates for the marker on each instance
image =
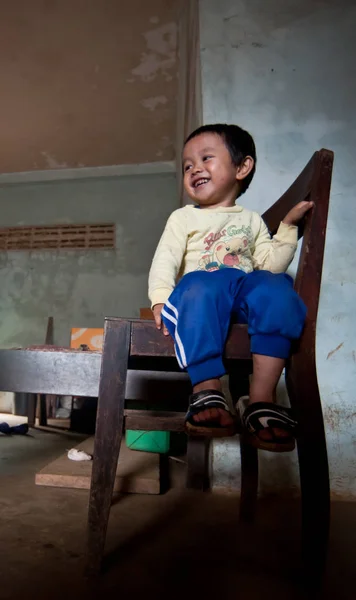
(216, 260)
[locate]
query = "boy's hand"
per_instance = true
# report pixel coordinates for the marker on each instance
(297, 213)
(157, 309)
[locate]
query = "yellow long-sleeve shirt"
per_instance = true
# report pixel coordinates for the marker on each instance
(209, 239)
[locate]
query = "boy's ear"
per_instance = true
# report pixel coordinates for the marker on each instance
(245, 168)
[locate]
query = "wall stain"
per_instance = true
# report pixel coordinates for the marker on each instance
(335, 418)
(226, 19)
(335, 350)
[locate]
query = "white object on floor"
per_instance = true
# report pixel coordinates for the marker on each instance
(74, 454)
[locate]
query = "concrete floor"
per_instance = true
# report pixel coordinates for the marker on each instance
(178, 545)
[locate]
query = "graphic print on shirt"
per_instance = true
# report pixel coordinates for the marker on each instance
(228, 248)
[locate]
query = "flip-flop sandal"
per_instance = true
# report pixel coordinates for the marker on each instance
(199, 402)
(260, 416)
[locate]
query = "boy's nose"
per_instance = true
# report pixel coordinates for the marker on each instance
(197, 169)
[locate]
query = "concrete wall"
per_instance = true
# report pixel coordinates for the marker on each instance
(78, 288)
(87, 83)
(285, 70)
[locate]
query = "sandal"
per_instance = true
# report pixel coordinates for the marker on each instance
(260, 416)
(199, 402)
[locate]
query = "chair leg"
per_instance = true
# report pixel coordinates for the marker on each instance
(303, 391)
(239, 384)
(31, 409)
(249, 482)
(43, 410)
(198, 463)
(108, 435)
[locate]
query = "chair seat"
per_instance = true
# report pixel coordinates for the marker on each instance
(148, 341)
(67, 371)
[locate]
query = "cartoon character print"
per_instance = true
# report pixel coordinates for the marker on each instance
(229, 253)
(225, 253)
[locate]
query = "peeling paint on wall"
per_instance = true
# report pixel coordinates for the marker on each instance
(69, 96)
(165, 143)
(160, 57)
(52, 162)
(152, 103)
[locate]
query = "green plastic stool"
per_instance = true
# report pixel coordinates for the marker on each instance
(148, 441)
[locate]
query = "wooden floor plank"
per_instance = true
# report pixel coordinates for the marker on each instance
(137, 472)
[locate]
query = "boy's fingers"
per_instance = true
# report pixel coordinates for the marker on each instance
(158, 320)
(307, 206)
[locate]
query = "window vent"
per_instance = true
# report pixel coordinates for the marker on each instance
(58, 237)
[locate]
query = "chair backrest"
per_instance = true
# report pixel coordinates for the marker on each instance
(312, 184)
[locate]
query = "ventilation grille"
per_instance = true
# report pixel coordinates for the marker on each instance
(58, 237)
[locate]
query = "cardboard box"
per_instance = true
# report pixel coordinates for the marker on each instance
(92, 338)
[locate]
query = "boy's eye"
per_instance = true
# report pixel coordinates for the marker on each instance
(187, 167)
(207, 157)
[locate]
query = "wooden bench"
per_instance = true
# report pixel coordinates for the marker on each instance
(136, 344)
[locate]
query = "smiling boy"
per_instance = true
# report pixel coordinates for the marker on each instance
(216, 260)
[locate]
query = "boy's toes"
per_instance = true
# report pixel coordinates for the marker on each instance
(281, 433)
(268, 435)
(226, 418)
(209, 414)
(219, 415)
(265, 435)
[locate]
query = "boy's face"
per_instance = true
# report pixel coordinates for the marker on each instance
(210, 177)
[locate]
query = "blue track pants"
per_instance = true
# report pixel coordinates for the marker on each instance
(199, 311)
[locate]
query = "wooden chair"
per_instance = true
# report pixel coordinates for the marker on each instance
(131, 343)
(136, 344)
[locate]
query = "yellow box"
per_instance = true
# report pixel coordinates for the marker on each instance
(92, 338)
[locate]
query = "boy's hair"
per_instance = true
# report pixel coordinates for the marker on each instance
(238, 142)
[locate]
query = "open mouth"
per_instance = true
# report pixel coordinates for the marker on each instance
(200, 182)
(231, 259)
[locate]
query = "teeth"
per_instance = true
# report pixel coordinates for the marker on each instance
(200, 182)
